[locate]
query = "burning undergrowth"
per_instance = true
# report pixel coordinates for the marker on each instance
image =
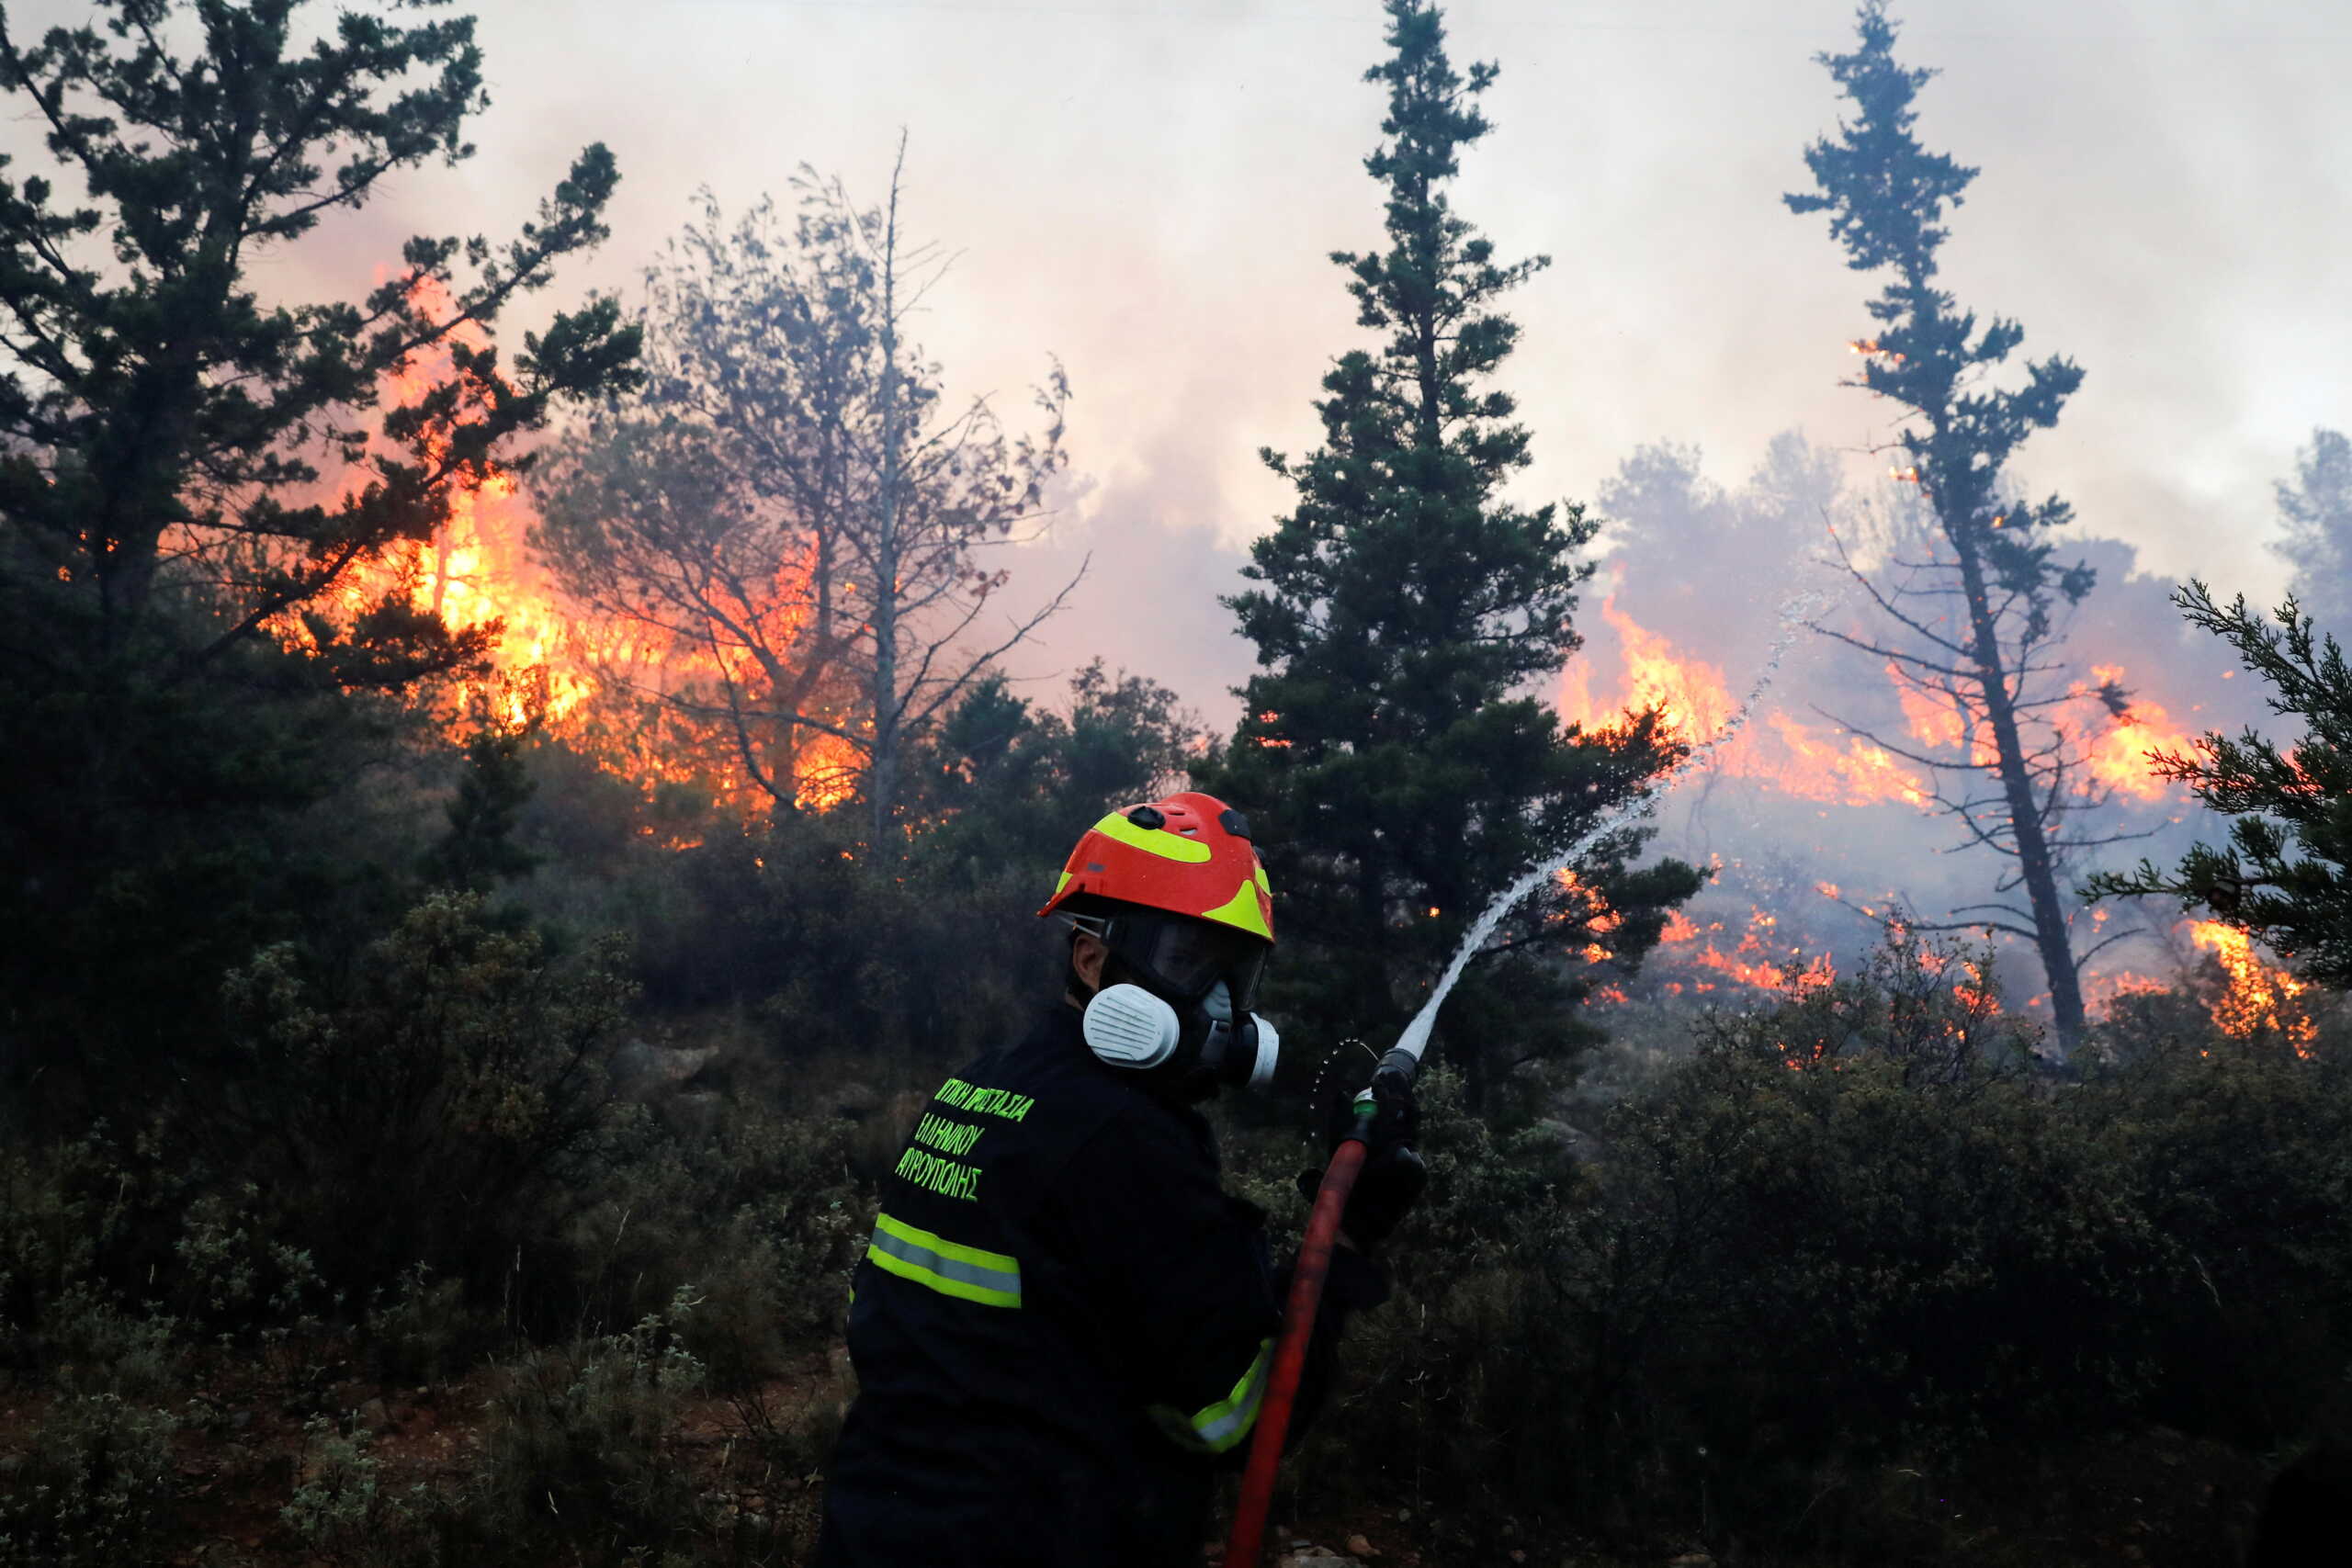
(1821, 822)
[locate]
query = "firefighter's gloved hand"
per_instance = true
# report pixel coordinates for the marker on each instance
(1393, 1176)
(1396, 1118)
(1387, 1189)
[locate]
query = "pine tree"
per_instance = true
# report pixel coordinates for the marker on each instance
(2285, 876)
(1976, 622)
(195, 479)
(1395, 769)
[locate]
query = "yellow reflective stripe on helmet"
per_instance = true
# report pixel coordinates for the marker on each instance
(1221, 1426)
(1154, 841)
(968, 1273)
(1264, 886)
(1243, 912)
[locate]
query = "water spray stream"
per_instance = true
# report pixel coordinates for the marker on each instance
(1794, 616)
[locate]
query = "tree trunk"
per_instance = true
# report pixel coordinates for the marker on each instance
(2039, 874)
(882, 777)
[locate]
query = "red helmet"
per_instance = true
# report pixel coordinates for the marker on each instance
(1189, 854)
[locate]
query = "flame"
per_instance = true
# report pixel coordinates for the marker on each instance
(2101, 992)
(1694, 702)
(1753, 961)
(1838, 770)
(1688, 693)
(2119, 748)
(2261, 996)
(583, 672)
(1937, 721)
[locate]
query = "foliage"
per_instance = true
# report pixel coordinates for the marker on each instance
(760, 1223)
(341, 1509)
(90, 1493)
(94, 1346)
(191, 488)
(796, 507)
(2285, 877)
(1973, 606)
(929, 952)
(579, 1447)
(579, 1459)
(437, 1102)
(1859, 1253)
(1005, 782)
(1394, 769)
(110, 1250)
(480, 849)
(159, 413)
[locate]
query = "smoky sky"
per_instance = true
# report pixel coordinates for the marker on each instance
(1149, 190)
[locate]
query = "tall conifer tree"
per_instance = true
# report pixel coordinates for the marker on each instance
(1397, 768)
(1974, 628)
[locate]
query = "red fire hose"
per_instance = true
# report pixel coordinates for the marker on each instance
(1290, 1353)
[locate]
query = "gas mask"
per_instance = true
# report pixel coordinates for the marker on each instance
(1129, 1027)
(1183, 1024)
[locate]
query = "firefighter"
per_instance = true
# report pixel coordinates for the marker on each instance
(1063, 1326)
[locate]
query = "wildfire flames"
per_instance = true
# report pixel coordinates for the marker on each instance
(1819, 762)
(552, 659)
(2118, 751)
(2258, 997)
(1756, 959)
(2261, 996)
(1816, 763)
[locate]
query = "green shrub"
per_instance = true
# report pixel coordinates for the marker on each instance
(760, 1223)
(230, 1270)
(582, 1442)
(1858, 1256)
(64, 1206)
(93, 1346)
(341, 1511)
(2240, 1153)
(92, 1488)
(442, 1103)
(425, 1331)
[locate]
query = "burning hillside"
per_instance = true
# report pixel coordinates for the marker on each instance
(1818, 832)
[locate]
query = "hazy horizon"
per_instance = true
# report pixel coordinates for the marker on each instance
(1150, 192)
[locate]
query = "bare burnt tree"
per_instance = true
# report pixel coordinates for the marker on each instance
(1982, 722)
(796, 505)
(1971, 606)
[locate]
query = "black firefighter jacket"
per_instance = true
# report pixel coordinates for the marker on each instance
(1062, 1327)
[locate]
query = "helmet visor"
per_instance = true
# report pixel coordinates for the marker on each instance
(1189, 957)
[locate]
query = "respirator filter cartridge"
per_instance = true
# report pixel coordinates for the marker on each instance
(1128, 1027)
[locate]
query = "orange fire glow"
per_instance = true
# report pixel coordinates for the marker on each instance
(2101, 992)
(2120, 746)
(479, 570)
(1753, 961)
(1824, 764)
(2261, 995)
(1688, 693)
(1694, 702)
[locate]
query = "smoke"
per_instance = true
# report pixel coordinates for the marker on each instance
(1154, 566)
(1814, 842)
